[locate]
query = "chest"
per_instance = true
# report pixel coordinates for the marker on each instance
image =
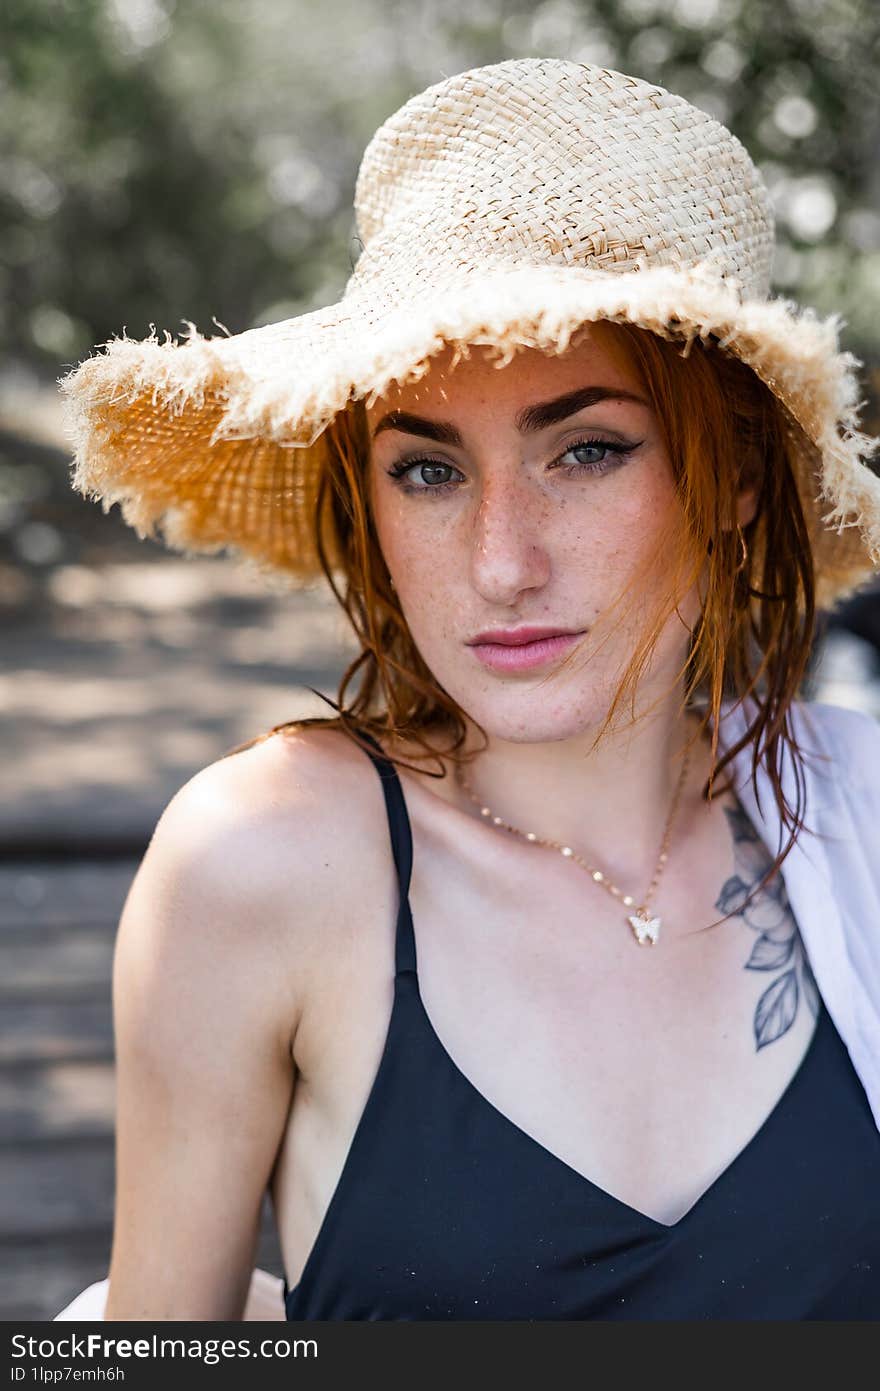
(644, 1068)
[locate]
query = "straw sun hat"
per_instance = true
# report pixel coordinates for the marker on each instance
(505, 206)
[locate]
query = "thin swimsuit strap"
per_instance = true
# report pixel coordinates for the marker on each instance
(402, 847)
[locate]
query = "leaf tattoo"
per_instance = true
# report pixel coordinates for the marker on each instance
(776, 1009)
(768, 955)
(778, 943)
(733, 895)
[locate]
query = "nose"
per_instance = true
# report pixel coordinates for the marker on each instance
(508, 554)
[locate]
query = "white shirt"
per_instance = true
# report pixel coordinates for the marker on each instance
(833, 884)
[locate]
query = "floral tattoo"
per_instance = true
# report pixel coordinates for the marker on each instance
(778, 945)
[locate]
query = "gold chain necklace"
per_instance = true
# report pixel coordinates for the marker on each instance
(646, 928)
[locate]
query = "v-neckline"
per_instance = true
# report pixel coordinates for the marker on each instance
(405, 928)
(771, 1119)
(409, 980)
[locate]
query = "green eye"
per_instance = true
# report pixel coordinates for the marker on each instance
(430, 469)
(617, 452)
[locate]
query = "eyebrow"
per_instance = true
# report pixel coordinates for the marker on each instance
(528, 421)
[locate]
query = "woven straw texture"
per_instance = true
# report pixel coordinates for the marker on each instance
(504, 206)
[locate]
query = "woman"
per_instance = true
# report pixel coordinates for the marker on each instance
(548, 1019)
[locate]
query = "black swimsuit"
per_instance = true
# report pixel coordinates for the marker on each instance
(446, 1209)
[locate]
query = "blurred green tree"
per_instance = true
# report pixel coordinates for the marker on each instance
(196, 160)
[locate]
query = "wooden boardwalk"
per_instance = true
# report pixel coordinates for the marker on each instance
(58, 922)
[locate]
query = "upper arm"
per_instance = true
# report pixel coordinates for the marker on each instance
(205, 1002)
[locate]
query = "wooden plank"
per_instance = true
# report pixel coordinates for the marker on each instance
(56, 1190)
(64, 893)
(69, 1030)
(43, 1101)
(38, 1278)
(60, 961)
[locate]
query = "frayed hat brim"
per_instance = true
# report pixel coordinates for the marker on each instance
(219, 442)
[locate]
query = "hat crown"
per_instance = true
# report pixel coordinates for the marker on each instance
(543, 161)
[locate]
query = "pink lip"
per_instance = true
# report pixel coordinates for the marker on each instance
(514, 637)
(521, 656)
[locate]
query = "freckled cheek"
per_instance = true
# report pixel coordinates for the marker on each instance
(423, 554)
(429, 591)
(592, 535)
(632, 519)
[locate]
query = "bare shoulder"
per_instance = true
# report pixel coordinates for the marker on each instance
(263, 849)
(276, 809)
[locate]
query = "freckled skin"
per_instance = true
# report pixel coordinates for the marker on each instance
(521, 541)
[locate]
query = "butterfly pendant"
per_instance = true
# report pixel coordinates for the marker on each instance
(646, 928)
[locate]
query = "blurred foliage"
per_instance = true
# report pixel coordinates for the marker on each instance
(166, 160)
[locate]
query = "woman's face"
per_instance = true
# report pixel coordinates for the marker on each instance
(524, 495)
